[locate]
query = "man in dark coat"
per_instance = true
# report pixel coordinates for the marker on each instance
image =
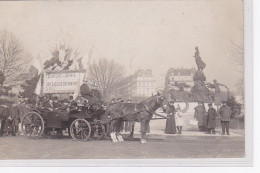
(96, 93)
(49, 105)
(211, 119)
(14, 113)
(4, 113)
(86, 93)
(84, 90)
(72, 104)
(225, 114)
(170, 127)
(200, 116)
(56, 103)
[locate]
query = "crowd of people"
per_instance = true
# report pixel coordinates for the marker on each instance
(10, 116)
(205, 120)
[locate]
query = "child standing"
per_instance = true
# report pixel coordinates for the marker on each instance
(179, 120)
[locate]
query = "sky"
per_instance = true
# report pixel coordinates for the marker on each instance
(152, 34)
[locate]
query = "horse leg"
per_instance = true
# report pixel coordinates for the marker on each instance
(113, 134)
(119, 136)
(143, 131)
(113, 137)
(132, 131)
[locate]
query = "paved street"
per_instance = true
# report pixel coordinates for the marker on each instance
(158, 146)
(191, 144)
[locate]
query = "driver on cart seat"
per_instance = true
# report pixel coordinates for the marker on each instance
(84, 89)
(72, 106)
(56, 103)
(53, 104)
(95, 92)
(85, 92)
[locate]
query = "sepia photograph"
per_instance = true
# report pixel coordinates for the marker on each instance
(122, 80)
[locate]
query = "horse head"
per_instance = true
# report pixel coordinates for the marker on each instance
(160, 99)
(154, 102)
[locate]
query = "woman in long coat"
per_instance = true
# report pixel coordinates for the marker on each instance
(211, 119)
(170, 122)
(4, 113)
(200, 116)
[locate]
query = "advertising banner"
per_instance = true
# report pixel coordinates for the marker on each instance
(62, 81)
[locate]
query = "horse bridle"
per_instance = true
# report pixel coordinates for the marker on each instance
(157, 100)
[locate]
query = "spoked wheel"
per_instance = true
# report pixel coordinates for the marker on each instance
(80, 130)
(32, 125)
(98, 131)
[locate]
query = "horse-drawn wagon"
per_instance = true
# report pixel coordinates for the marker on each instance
(82, 123)
(88, 121)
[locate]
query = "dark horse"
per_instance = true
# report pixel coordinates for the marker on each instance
(140, 112)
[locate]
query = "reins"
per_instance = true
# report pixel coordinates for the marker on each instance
(145, 109)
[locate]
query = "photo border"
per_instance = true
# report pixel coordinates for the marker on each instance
(227, 162)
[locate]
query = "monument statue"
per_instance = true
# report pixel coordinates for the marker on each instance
(200, 64)
(176, 92)
(199, 92)
(218, 96)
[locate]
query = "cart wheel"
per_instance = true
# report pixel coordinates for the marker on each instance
(32, 125)
(98, 131)
(80, 130)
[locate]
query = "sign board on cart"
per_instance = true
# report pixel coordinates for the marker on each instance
(62, 81)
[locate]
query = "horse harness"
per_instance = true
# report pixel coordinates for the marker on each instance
(135, 113)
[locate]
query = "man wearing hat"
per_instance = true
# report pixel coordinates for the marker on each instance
(225, 114)
(56, 103)
(96, 92)
(200, 116)
(211, 119)
(84, 90)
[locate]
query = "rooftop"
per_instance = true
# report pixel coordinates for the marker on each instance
(181, 71)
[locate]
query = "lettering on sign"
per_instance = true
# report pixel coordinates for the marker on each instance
(62, 82)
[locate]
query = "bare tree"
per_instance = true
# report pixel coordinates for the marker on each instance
(237, 54)
(106, 74)
(13, 59)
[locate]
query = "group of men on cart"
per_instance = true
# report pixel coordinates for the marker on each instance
(10, 114)
(90, 96)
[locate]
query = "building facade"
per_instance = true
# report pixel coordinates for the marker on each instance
(139, 85)
(179, 76)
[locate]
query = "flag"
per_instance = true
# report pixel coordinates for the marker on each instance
(77, 91)
(39, 86)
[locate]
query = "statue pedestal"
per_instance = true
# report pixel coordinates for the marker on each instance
(199, 92)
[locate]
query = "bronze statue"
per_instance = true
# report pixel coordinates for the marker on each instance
(218, 97)
(200, 64)
(199, 91)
